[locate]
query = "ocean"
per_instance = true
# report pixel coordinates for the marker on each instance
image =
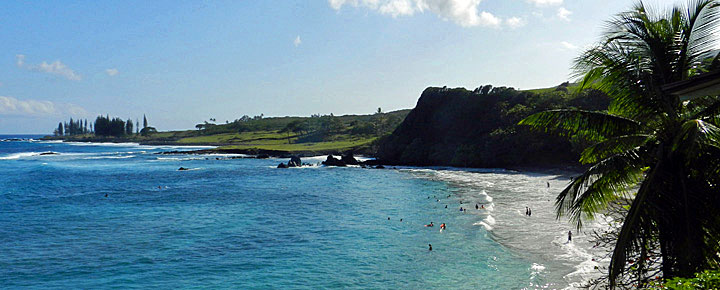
(98, 215)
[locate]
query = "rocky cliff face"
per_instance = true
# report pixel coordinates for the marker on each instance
(458, 127)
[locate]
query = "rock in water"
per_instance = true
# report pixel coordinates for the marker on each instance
(282, 165)
(332, 161)
(349, 159)
(183, 168)
(294, 162)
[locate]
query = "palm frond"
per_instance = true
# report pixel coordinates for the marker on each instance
(603, 182)
(636, 217)
(612, 146)
(594, 126)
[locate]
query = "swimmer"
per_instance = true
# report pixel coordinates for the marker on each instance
(476, 206)
(430, 225)
(461, 209)
(430, 245)
(446, 206)
(400, 220)
(482, 206)
(388, 218)
(442, 226)
(106, 195)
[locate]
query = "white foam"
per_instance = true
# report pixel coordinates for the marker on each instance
(15, 156)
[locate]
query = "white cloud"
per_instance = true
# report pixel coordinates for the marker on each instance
(56, 68)
(568, 45)
(462, 12)
(13, 106)
(564, 14)
(546, 2)
(111, 72)
(297, 41)
(515, 22)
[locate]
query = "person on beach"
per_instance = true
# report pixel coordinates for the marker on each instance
(569, 236)
(430, 245)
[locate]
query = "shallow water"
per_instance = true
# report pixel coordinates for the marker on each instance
(242, 223)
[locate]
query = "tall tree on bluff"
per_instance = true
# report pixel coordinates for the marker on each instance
(650, 147)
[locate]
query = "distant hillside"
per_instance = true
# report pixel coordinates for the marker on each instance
(458, 127)
(302, 135)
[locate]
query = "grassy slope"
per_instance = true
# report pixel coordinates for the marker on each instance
(264, 136)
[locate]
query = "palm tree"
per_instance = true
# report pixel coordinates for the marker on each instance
(650, 148)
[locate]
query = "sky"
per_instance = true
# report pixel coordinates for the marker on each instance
(184, 62)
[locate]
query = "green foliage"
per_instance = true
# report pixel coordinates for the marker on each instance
(708, 279)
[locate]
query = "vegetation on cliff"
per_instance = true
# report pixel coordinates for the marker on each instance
(459, 127)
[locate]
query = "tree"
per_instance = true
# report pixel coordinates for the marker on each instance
(145, 123)
(60, 131)
(659, 154)
(129, 127)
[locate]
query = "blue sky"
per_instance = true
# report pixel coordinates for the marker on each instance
(183, 62)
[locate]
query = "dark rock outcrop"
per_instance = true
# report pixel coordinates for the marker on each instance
(282, 165)
(349, 159)
(332, 161)
(294, 162)
(183, 169)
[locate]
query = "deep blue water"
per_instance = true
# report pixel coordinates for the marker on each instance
(238, 223)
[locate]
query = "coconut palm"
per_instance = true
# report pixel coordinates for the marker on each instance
(651, 148)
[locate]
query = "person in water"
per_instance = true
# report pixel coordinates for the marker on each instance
(569, 236)
(442, 226)
(430, 247)
(476, 206)
(461, 209)
(446, 206)
(388, 218)
(548, 183)
(430, 224)
(527, 210)
(482, 206)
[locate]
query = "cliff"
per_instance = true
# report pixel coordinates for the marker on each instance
(458, 127)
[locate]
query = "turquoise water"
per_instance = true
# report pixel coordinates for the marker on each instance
(241, 223)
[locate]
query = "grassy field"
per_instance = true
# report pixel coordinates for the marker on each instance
(337, 145)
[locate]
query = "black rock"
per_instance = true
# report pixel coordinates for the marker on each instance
(379, 167)
(183, 168)
(332, 161)
(294, 162)
(349, 159)
(282, 165)
(262, 156)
